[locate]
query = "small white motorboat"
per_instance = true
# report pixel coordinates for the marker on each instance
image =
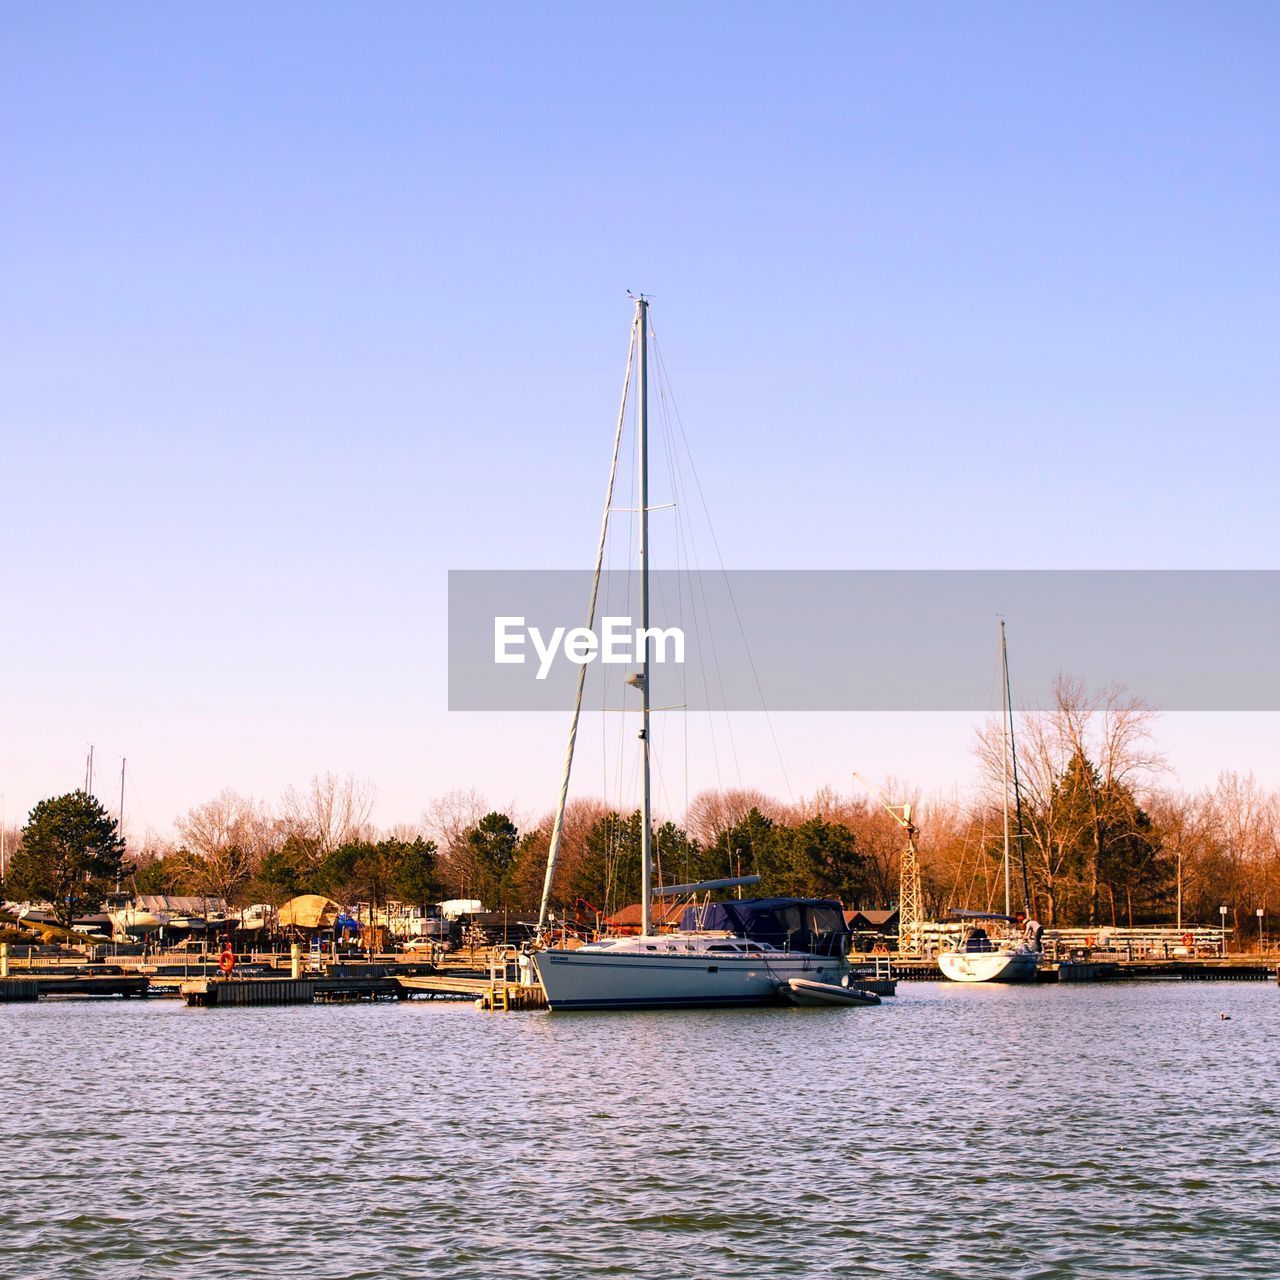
(807, 992)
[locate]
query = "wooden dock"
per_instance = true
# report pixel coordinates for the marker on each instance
(487, 993)
(1101, 968)
(72, 984)
(212, 993)
(333, 988)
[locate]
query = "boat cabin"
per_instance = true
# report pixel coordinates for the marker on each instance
(813, 925)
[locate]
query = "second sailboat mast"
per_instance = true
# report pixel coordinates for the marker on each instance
(1004, 756)
(642, 433)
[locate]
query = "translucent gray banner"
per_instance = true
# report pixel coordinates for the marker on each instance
(789, 640)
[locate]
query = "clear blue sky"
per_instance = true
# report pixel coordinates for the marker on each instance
(305, 304)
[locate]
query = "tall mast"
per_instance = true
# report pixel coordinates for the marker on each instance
(646, 826)
(1004, 757)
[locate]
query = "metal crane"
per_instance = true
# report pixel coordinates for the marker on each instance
(910, 898)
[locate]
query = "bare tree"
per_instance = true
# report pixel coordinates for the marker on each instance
(1112, 730)
(448, 819)
(1108, 736)
(712, 813)
(224, 841)
(332, 811)
(1241, 822)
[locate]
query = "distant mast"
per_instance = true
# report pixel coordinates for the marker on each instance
(1004, 757)
(1017, 791)
(120, 822)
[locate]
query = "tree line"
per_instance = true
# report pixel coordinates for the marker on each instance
(1105, 837)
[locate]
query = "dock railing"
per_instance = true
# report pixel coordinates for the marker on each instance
(1191, 942)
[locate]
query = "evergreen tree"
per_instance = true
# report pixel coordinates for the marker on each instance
(279, 877)
(414, 877)
(677, 856)
(167, 874)
(373, 871)
(608, 875)
(821, 860)
(70, 856)
(749, 847)
(493, 842)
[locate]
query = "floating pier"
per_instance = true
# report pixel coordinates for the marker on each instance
(1101, 968)
(33, 986)
(209, 993)
(331, 988)
(493, 994)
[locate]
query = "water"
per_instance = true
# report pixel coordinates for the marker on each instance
(1121, 1130)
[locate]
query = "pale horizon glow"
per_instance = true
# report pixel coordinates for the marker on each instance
(306, 306)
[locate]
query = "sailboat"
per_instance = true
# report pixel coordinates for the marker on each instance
(766, 945)
(999, 948)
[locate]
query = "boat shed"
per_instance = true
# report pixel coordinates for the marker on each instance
(871, 925)
(626, 921)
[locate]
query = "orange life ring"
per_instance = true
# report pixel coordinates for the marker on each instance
(1090, 940)
(227, 960)
(1188, 940)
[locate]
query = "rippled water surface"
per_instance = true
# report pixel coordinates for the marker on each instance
(955, 1131)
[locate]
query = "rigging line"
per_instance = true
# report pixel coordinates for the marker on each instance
(978, 862)
(557, 828)
(664, 792)
(711, 631)
(682, 566)
(628, 545)
(669, 454)
(698, 580)
(689, 540)
(693, 466)
(696, 625)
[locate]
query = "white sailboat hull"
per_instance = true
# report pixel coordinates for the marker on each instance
(989, 966)
(589, 979)
(136, 920)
